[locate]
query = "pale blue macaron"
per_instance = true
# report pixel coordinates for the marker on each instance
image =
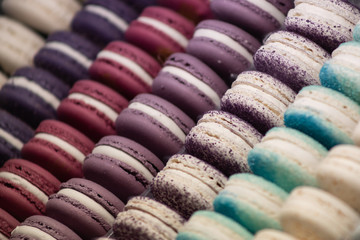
(356, 31)
(342, 71)
(287, 157)
(251, 201)
(326, 115)
(209, 225)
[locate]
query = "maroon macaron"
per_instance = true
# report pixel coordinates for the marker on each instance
(7, 223)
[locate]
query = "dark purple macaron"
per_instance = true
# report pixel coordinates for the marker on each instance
(103, 21)
(155, 123)
(33, 95)
(122, 166)
(85, 207)
(41, 227)
(227, 49)
(189, 84)
(67, 55)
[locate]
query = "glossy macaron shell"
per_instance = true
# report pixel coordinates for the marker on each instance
(92, 108)
(125, 68)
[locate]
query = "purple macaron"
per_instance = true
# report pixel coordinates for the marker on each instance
(227, 49)
(122, 166)
(155, 123)
(189, 84)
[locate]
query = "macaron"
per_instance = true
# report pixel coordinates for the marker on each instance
(145, 218)
(43, 227)
(187, 184)
(59, 148)
(251, 201)
(328, 23)
(8, 223)
(223, 140)
(291, 58)
(3, 79)
(211, 225)
(67, 55)
(356, 135)
(25, 188)
(125, 68)
(324, 114)
(32, 94)
(19, 44)
(85, 207)
(189, 84)
(271, 234)
(256, 17)
(14, 133)
(103, 21)
(342, 71)
(287, 157)
(334, 218)
(258, 98)
(337, 174)
(122, 166)
(139, 5)
(225, 48)
(356, 31)
(154, 123)
(160, 32)
(92, 108)
(356, 234)
(44, 16)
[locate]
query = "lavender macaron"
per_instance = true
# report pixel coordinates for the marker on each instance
(189, 84)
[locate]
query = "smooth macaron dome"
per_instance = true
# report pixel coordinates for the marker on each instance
(14, 133)
(334, 218)
(287, 157)
(255, 17)
(342, 71)
(126, 68)
(187, 184)
(223, 140)
(189, 84)
(251, 201)
(25, 188)
(291, 58)
(103, 21)
(227, 49)
(155, 123)
(212, 225)
(160, 32)
(59, 148)
(145, 218)
(258, 98)
(67, 55)
(18, 45)
(92, 108)
(324, 114)
(122, 166)
(328, 23)
(33, 94)
(8, 224)
(85, 207)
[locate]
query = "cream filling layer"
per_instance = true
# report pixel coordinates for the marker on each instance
(203, 87)
(11, 139)
(134, 67)
(71, 150)
(124, 157)
(162, 118)
(69, 51)
(269, 8)
(108, 111)
(89, 203)
(118, 22)
(25, 184)
(228, 41)
(169, 31)
(33, 87)
(32, 232)
(3, 237)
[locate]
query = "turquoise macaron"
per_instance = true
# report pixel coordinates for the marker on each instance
(251, 201)
(209, 225)
(287, 157)
(356, 32)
